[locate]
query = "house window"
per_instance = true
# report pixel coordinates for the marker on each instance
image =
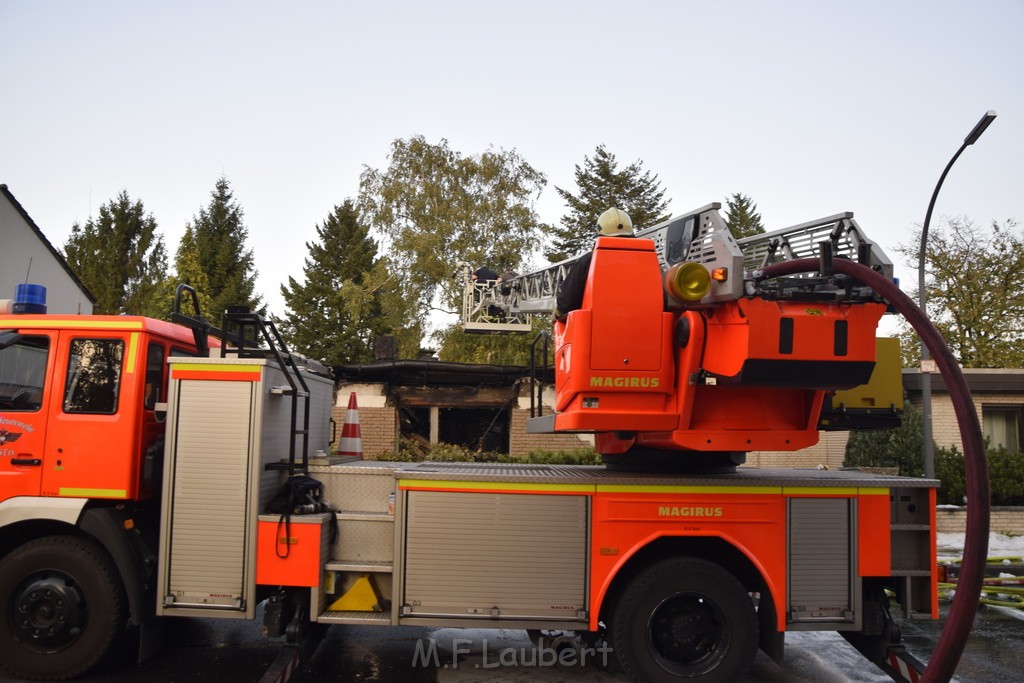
(1002, 426)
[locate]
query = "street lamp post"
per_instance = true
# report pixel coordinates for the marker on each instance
(927, 365)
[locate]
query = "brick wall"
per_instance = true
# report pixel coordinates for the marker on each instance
(521, 443)
(1004, 520)
(829, 451)
(378, 428)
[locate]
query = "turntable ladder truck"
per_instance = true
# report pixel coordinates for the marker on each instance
(138, 468)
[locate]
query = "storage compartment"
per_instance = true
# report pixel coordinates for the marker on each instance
(228, 426)
(292, 553)
(495, 556)
(822, 559)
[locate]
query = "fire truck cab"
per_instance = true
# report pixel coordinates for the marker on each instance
(81, 454)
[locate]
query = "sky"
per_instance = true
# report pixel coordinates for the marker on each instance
(810, 108)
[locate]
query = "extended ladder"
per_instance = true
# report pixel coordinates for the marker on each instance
(699, 235)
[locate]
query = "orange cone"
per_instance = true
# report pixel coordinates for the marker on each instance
(351, 441)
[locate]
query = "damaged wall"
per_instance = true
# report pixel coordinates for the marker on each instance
(491, 418)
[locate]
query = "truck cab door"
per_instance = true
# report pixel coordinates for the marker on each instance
(93, 432)
(26, 372)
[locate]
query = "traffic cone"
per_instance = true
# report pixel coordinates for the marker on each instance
(351, 440)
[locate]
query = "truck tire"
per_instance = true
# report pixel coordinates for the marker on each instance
(62, 607)
(685, 618)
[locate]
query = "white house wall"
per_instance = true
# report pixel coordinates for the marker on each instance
(24, 257)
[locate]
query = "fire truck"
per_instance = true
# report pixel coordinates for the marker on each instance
(143, 465)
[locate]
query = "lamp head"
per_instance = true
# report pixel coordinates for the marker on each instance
(980, 127)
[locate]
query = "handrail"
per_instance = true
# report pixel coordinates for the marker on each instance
(538, 409)
(276, 347)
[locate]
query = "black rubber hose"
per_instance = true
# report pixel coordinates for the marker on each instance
(954, 634)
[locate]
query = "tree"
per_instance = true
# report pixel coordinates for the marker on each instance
(435, 207)
(189, 270)
(215, 241)
(975, 292)
(120, 257)
(459, 346)
(741, 216)
(603, 186)
(333, 315)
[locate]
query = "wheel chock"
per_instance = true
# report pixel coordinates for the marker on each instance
(363, 596)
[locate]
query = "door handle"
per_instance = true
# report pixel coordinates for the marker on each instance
(26, 461)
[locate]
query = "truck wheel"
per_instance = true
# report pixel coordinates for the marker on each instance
(62, 607)
(685, 618)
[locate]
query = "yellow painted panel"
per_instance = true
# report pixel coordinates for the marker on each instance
(216, 367)
(133, 350)
(494, 486)
(93, 493)
(626, 488)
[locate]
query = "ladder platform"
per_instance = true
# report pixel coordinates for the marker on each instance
(372, 566)
(349, 617)
(360, 516)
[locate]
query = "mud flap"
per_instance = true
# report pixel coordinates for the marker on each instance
(880, 641)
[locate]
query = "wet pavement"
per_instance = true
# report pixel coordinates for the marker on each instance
(227, 651)
(995, 647)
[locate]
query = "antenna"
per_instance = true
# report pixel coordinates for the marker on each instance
(29, 270)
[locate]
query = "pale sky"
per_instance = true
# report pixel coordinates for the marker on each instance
(811, 108)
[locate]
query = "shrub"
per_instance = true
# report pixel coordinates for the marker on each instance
(1005, 476)
(447, 452)
(901, 447)
(412, 451)
(576, 456)
(949, 469)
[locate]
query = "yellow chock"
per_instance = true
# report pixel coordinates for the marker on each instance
(363, 596)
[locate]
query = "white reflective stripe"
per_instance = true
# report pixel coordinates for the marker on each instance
(902, 667)
(23, 508)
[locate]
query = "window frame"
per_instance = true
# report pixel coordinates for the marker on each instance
(1014, 409)
(47, 347)
(74, 370)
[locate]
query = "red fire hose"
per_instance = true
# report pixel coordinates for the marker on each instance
(961, 615)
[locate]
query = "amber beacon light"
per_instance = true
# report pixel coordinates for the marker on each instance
(688, 282)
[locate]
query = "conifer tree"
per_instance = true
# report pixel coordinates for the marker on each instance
(741, 216)
(332, 315)
(120, 257)
(216, 239)
(189, 271)
(601, 185)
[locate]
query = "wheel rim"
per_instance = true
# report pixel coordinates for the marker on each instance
(48, 612)
(688, 634)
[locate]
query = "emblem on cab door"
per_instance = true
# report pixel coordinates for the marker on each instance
(7, 437)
